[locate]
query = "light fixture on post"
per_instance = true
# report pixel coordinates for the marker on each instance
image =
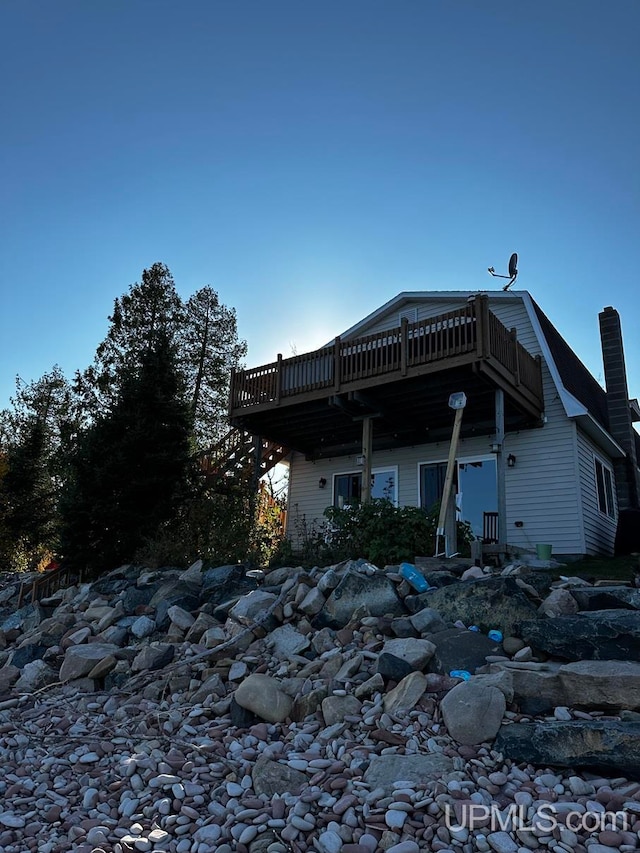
(322, 482)
(495, 447)
(511, 461)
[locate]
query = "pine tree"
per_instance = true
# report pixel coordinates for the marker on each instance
(132, 465)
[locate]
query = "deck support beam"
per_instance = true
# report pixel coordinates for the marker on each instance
(367, 452)
(500, 469)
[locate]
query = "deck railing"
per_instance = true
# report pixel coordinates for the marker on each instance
(471, 329)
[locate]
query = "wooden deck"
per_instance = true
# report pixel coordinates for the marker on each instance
(469, 336)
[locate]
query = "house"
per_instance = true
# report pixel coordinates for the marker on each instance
(545, 454)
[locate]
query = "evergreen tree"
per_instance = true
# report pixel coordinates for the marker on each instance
(35, 435)
(132, 464)
(210, 349)
(151, 306)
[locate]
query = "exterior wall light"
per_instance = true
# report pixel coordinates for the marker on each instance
(511, 461)
(322, 482)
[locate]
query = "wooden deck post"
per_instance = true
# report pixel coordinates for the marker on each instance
(336, 364)
(482, 325)
(232, 391)
(279, 379)
(404, 344)
(367, 450)
(516, 354)
(500, 469)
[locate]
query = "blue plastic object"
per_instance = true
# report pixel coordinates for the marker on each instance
(460, 673)
(496, 636)
(474, 628)
(414, 577)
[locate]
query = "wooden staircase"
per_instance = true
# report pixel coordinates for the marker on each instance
(235, 459)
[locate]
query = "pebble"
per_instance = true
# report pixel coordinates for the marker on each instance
(160, 770)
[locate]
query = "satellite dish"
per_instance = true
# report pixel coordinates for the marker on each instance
(513, 271)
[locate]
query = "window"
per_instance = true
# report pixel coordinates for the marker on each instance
(347, 488)
(604, 487)
(432, 483)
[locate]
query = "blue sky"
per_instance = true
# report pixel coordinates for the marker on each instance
(310, 160)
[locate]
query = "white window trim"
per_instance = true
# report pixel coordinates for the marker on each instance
(380, 469)
(607, 467)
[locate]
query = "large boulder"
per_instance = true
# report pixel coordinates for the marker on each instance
(375, 593)
(385, 770)
(456, 648)
(607, 598)
(495, 602)
(610, 685)
(417, 653)
(174, 592)
(252, 606)
(537, 688)
(226, 582)
(80, 660)
(271, 778)
(609, 746)
(262, 695)
(593, 635)
(473, 712)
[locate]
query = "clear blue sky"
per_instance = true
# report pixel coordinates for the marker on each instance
(310, 160)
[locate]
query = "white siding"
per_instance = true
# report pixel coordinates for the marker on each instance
(424, 309)
(545, 490)
(600, 530)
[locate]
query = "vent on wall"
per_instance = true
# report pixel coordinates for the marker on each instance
(411, 315)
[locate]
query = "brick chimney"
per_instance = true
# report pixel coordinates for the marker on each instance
(620, 426)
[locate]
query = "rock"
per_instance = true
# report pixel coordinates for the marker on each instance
(406, 694)
(392, 668)
(262, 695)
(503, 680)
(8, 676)
(174, 592)
(602, 685)
(143, 627)
(472, 712)
(306, 704)
(152, 657)
(212, 686)
(203, 622)
(524, 655)
(34, 676)
(180, 617)
(375, 593)
(80, 660)
(511, 645)
(23, 620)
(336, 708)
(193, 575)
(226, 582)
(384, 770)
(27, 654)
(502, 842)
(606, 746)
(270, 778)
(473, 573)
(328, 580)
(312, 603)
(285, 641)
(607, 598)
(495, 602)
(537, 687)
(401, 626)
(213, 637)
(427, 621)
(252, 606)
(594, 635)
(103, 668)
(241, 717)
(457, 648)
(559, 602)
(416, 652)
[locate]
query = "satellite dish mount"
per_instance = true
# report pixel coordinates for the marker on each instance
(513, 271)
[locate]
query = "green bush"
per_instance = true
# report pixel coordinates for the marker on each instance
(383, 533)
